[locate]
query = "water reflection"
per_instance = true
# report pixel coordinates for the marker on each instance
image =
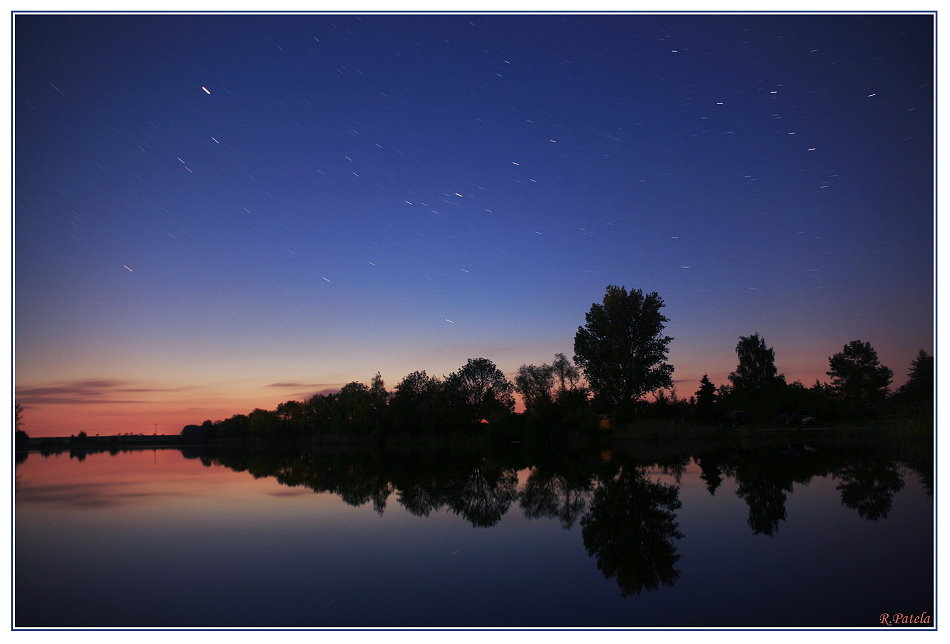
(869, 487)
(551, 494)
(484, 495)
(631, 529)
(625, 503)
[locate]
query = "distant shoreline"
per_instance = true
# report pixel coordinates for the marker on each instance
(650, 431)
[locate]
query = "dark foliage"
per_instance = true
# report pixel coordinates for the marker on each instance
(621, 348)
(857, 375)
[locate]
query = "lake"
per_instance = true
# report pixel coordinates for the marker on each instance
(719, 534)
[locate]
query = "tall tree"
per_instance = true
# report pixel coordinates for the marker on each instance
(756, 373)
(535, 383)
(857, 373)
(484, 388)
(621, 347)
(377, 389)
(705, 398)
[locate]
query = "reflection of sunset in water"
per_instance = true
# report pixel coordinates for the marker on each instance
(312, 538)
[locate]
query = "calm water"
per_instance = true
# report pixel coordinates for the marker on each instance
(776, 535)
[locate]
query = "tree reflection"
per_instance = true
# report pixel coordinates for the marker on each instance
(631, 529)
(869, 487)
(421, 498)
(710, 472)
(553, 495)
(484, 496)
(766, 475)
(765, 494)
(627, 519)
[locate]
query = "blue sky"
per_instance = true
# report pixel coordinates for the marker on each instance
(207, 206)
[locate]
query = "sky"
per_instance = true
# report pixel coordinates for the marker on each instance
(222, 212)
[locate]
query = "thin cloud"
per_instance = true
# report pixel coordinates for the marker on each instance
(81, 400)
(297, 385)
(80, 392)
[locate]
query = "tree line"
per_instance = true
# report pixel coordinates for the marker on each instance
(619, 371)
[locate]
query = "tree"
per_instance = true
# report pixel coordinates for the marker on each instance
(262, 422)
(705, 398)
(378, 390)
(756, 373)
(920, 383)
(565, 373)
(353, 408)
(318, 413)
(424, 403)
(293, 415)
(484, 388)
(414, 387)
(621, 347)
(857, 374)
(22, 439)
(535, 383)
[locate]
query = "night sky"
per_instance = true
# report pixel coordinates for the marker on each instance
(217, 213)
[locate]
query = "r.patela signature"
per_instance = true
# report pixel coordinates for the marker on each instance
(893, 619)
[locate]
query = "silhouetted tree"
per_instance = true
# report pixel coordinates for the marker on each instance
(22, 439)
(756, 386)
(912, 406)
(631, 529)
(293, 416)
(567, 374)
(621, 347)
(705, 399)
(920, 383)
(484, 388)
(263, 423)
(535, 383)
(756, 373)
(353, 408)
(412, 400)
(233, 427)
(380, 396)
(319, 413)
(857, 374)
